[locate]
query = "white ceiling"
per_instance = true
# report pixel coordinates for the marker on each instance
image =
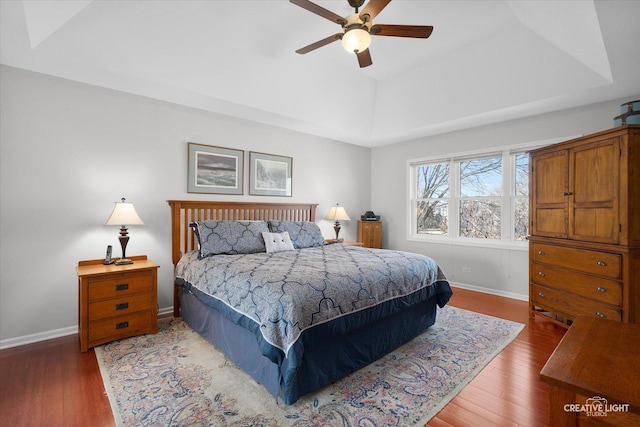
(486, 61)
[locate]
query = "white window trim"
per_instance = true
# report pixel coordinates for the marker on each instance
(509, 195)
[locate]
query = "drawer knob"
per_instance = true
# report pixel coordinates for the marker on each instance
(540, 294)
(601, 289)
(122, 306)
(602, 263)
(541, 273)
(122, 325)
(568, 193)
(600, 314)
(541, 253)
(122, 287)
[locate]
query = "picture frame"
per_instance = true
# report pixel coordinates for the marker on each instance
(270, 175)
(215, 170)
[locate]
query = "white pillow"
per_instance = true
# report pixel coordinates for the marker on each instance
(277, 242)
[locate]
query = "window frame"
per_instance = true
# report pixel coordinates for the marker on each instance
(507, 199)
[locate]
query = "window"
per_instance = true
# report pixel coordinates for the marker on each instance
(473, 198)
(433, 199)
(480, 199)
(521, 199)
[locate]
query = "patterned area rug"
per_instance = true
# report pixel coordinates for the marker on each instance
(176, 378)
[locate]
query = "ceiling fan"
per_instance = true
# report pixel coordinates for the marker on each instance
(358, 28)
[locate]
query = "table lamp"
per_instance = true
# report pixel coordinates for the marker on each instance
(337, 214)
(124, 214)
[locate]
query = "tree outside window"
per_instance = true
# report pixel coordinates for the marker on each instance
(480, 198)
(432, 210)
(521, 209)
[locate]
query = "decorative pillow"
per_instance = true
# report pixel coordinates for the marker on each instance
(303, 234)
(277, 242)
(230, 237)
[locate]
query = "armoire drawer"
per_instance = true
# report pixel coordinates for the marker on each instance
(602, 264)
(596, 288)
(116, 286)
(570, 304)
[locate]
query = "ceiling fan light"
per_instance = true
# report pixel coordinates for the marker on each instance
(356, 40)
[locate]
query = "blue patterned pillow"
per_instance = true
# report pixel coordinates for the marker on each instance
(230, 237)
(303, 234)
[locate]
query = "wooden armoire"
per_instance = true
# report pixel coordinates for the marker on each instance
(584, 243)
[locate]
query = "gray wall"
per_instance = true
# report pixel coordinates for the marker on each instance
(69, 150)
(502, 271)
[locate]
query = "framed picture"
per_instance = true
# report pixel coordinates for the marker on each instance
(269, 175)
(215, 170)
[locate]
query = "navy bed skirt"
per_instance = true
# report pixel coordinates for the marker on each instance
(322, 354)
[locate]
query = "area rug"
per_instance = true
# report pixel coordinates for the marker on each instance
(176, 378)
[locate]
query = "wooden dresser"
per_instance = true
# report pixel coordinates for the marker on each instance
(116, 301)
(593, 375)
(370, 234)
(584, 251)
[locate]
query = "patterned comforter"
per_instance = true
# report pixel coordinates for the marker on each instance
(288, 292)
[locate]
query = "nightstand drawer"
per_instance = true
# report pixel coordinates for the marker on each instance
(587, 261)
(120, 327)
(596, 288)
(562, 302)
(119, 306)
(118, 285)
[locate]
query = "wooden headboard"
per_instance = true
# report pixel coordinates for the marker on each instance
(184, 212)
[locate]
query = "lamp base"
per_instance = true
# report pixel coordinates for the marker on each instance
(336, 227)
(123, 242)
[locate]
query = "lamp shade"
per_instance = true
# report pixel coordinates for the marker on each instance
(356, 40)
(124, 214)
(337, 213)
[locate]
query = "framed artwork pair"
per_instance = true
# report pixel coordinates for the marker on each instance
(219, 170)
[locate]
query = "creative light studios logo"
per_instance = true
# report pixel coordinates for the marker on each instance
(596, 406)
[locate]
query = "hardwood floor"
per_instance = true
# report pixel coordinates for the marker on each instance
(508, 391)
(52, 384)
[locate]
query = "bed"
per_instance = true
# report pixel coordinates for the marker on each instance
(258, 281)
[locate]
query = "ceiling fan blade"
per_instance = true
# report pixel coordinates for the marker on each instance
(319, 43)
(373, 8)
(364, 58)
(319, 10)
(415, 31)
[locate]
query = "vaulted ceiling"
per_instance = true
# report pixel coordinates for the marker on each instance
(486, 61)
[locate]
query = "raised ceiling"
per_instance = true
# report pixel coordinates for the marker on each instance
(486, 61)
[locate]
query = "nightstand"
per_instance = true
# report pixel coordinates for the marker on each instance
(350, 243)
(116, 301)
(370, 233)
(342, 242)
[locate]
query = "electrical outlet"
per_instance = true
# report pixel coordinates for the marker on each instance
(466, 269)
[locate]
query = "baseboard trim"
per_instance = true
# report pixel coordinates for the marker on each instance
(490, 291)
(55, 333)
(165, 311)
(41, 336)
